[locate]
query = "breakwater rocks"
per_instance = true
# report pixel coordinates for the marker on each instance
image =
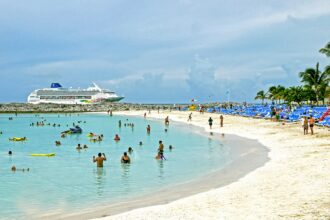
(56, 108)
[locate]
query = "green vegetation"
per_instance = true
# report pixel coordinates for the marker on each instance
(315, 86)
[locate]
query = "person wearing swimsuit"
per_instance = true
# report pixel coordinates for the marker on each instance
(125, 158)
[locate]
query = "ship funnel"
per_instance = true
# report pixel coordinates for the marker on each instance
(55, 85)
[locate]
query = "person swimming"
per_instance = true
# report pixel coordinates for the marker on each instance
(10, 153)
(85, 146)
(14, 169)
(117, 138)
(78, 147)
(170, 147)
(130, 150)
(99, 160)
(57, 143)
(140, 143)
(125, 158)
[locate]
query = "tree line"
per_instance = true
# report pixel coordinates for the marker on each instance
(314, 88)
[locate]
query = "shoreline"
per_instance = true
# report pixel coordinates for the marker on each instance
(240, 166)
(293, 184)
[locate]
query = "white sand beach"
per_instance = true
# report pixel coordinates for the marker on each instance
(294, 184)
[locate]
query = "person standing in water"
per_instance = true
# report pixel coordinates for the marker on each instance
(167, 121)
(210, 122)
(221, 121)
(119, 123)
(125, 158)
(148, 129)
(161, 150)
(99, 160)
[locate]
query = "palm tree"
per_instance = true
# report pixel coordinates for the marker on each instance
(326, 49)
(315, 80)
(272, 93)
(295, 94)
(276, 93)
(261, 95)
(280, 93)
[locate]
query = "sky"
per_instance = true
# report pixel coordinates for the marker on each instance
(154, 51)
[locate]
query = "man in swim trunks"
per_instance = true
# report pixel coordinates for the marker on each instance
(99, 160)
(311, 124)
(125, 158)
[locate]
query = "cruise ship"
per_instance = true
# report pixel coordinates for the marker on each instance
(59, 95)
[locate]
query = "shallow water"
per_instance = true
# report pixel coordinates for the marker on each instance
(70, 182)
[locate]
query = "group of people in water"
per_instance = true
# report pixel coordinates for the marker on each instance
(126, 158)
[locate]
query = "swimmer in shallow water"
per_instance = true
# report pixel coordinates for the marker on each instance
(140, 143)
(130, 150)
(117, 138)
(99, 160)
(14, 169)
(10, 153)
(78, 147)
(125, 158)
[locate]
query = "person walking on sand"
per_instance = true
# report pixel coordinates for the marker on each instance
(99, 160)
(311, 124)
(210, 122)
(221, 121)
(305, 125)
(189, 117)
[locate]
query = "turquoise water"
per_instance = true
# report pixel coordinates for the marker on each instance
(70, 181)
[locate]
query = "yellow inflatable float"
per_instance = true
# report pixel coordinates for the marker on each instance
(18, 139)
(43, 155)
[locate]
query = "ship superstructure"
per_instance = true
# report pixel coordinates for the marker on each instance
(59, 95)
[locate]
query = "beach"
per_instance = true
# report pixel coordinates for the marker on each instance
(293, 184)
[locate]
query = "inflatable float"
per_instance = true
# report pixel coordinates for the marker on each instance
(18, 139)
(43, 155)
(75, 130)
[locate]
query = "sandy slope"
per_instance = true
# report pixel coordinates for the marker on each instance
(294, 184)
